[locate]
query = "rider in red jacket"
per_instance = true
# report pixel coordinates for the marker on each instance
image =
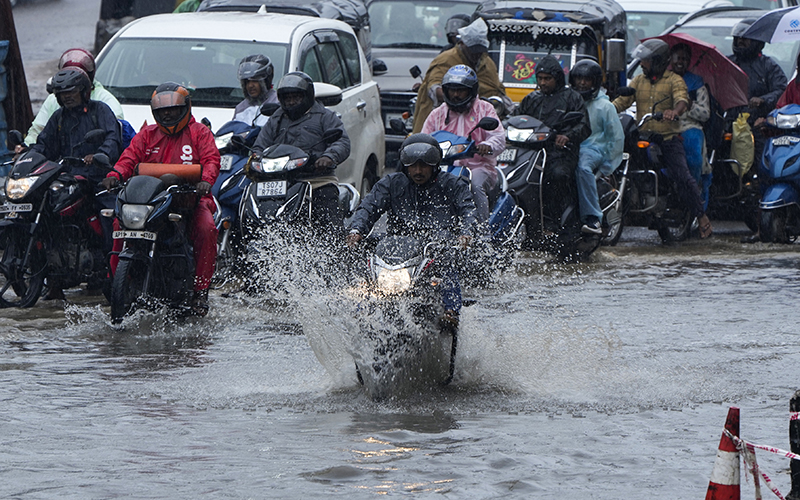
(178, 138)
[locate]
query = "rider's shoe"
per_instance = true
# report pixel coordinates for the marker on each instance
(592, 226)
(751, 238)
(200, 303)
(449, 319)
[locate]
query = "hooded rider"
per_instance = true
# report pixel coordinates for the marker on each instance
(451, 27)
(601, 151)
(421, 201)
(255, 74)
(550, 104)
(661, 90)
(302, 122)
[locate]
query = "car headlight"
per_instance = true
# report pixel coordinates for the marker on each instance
(391, 281)
(278, 164)
(16, 189)
(135, 216)
(223, 140)
(784, 121)
(525, 135)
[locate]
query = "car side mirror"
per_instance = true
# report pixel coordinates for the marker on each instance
(269, 108)
(327, 94)
(379, 67)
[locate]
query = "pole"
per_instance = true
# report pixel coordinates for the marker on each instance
(794, 443)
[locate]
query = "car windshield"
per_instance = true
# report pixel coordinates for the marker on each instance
(647, 24)
(785, 54)
(391, 22)
(132, 68)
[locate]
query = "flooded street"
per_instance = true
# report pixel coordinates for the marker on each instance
(611, 378)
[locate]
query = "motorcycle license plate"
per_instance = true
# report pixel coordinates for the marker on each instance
(270, 188)
(507, 155)
(786, 140)
(7, 208)
(136, 235)
(226, 163)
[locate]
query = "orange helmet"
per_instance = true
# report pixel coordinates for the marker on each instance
(171, 95)
(80, 58)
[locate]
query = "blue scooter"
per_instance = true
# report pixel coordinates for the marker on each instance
(779, 175)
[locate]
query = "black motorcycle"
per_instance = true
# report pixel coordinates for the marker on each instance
(156, 264)
(552, 217)
(50, 226)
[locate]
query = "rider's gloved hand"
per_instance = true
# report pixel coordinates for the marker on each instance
(109, 182)
(88, 159)
(323, 163)
(484, 149)
(353, 239)
(561, 141)
(20, 148)
(203, 188)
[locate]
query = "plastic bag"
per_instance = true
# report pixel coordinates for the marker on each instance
(742, 145)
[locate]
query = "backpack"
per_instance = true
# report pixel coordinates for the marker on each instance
(127, 133)
(714, 127)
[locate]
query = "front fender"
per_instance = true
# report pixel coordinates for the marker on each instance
(133, 254)
(779, 195)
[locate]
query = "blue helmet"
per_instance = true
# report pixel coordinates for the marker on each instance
(460, 77)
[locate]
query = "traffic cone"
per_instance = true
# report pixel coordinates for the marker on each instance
(724, 483)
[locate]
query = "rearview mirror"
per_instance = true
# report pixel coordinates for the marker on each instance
(95, 137)
(14, 139)
(626, 91)
(269, 108)
(488, 123)
(327, 94)
(398, 126)
(415, 71)
(332, 135)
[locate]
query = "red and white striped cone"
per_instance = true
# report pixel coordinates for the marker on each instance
(724, 483)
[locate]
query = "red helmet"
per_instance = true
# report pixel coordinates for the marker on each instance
(80, 58)
(171, 95)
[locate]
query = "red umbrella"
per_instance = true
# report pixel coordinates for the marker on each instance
(727, 82)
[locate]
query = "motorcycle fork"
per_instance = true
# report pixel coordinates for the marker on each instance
(32, 231)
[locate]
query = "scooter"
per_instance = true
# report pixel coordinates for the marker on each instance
(50, 229)
(156, 264)
(402, 345)
(780, 178)
(552, 223)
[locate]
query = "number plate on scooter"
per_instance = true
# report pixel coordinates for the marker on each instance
(136, 235)
(507, 155)
(270, 188)
(786, 140)
(225, 163)
(10, 207)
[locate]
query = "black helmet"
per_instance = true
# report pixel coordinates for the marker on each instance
(455, 22)
(657, 52)
(171, 95)
(294, 83)
(256, 67)
(587, 68)
(420, 147)
(69, 79)
(460, 77)
(755, 46)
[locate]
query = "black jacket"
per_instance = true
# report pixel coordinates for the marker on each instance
(549, 108)
(767, 81)
(305, 133)
(443, 203)
(65, 131)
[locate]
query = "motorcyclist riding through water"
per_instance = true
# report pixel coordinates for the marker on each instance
(421, 200)
(177, 138)
(255, 74)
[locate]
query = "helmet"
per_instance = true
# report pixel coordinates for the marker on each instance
(455, 22)
(171, 95)
(657, 52)
(755, 46)
(460, 77)
(256, 67)
(420, 147)
(69, 79)
(587, 68)
(296, 82)
(81, 58)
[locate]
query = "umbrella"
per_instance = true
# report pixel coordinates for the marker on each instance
(726, 81)
(781, 25)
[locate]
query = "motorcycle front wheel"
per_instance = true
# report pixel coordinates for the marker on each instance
(773, 226)
(675, 224)
(22, 279)
(127, 288)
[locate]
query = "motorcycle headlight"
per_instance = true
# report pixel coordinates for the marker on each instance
(17, 188)
(455, 150)
(223, 140)
(278, 164)
(524, 135)
(391, 281)
(785, 121)
(135, 216)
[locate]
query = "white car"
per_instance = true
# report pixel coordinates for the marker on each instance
(202, 50)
